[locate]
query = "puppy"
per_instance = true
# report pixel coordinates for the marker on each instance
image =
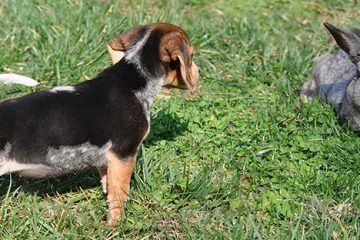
(101, 122)
(335, 78)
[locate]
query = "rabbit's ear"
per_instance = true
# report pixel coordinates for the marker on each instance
(356, 31)
(347, 40)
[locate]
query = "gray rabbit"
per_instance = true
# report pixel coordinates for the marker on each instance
(335, 77)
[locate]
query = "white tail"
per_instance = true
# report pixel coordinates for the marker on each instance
(10, 78)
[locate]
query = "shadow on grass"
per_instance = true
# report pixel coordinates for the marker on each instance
(164, 126)
(51, 186)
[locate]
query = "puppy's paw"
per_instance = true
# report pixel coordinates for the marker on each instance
(113, 222)
(114, 216)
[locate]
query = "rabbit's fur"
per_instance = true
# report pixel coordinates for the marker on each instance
(335, 77)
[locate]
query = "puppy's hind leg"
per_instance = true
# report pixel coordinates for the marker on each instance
(103, 178)
(119, 174)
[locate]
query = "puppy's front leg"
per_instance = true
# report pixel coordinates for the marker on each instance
(118, 179)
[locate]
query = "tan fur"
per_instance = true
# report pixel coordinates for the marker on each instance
(115, 56)
(118, 184)
(124, 40)
(174, 46)
(103, 178)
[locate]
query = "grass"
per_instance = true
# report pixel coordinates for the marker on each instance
(245, 159)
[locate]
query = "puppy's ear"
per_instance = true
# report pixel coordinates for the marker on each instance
(347, 40)
(120, 44)
(124, 41)
(173, 48)
(115, 56)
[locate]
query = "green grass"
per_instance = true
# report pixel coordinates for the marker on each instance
(245, 159)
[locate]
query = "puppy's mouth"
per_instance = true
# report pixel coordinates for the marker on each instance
(182, 88)
(175, 79)
(169, 86)
(175, 84)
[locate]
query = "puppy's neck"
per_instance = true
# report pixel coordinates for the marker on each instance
(134, 55)
(144, 57)
(144, 54)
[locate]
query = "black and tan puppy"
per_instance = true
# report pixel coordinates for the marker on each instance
(101, 122)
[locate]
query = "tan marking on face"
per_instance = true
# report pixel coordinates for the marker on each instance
(175, 48)
(174, 78)
(118, 184)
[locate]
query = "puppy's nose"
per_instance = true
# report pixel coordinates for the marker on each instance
(195, 72)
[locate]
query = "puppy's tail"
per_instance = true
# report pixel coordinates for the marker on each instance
(10, 78)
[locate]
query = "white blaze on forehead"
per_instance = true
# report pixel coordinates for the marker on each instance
(62, 89)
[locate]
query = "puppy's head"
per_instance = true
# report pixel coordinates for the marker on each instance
(347, 40)
(165, 44)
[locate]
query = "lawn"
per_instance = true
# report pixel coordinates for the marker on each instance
(243, 159)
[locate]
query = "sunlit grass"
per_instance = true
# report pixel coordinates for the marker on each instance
(245, 159)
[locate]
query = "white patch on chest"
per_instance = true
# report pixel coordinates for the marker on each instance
(69, 89)
(147, 94)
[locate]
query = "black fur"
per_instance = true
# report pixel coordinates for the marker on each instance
(71, 129)
(98, 111)
(150, 57)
